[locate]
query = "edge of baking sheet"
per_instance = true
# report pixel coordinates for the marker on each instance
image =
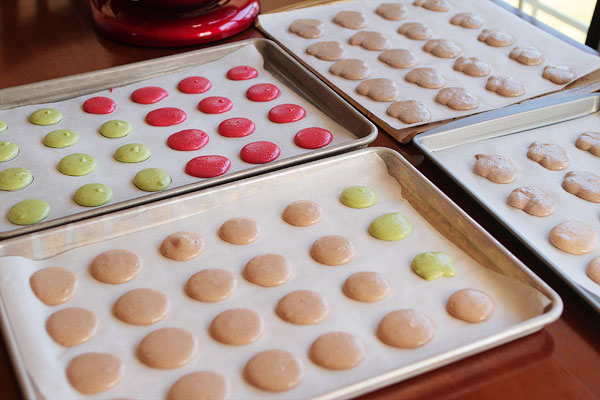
(278, 62)
(428, 200)
(508, 121)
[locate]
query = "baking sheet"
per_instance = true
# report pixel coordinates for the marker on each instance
(456, 156)
(520, 308)
(556, 52)
(57, 189)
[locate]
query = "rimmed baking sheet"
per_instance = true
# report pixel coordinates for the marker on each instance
(275, 25)
(324, 109)
(509, 132)
(524, 303)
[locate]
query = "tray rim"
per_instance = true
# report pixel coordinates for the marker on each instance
(170, 64)
(424, 143)
(550, 314)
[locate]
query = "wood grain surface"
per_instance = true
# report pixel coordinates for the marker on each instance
(45, 39)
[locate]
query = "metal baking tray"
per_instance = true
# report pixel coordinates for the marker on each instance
(399, 132)
(426, 199)
(508, 121)
(277, 62)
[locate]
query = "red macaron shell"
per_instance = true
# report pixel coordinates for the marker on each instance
(149, 95)
(242, 73)
(263, 92)
(260, 152)
(188, 140)
(166, 116)
(215, 105)
(236, 127)
(207, 166)
(99, 105)
(194, 85)
(286, 113)
(313, 138)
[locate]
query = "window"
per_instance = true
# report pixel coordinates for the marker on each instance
(570, 17)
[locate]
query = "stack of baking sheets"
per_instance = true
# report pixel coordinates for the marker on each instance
(510, 133)
(523, 303)
(544, 51)
(323, 109)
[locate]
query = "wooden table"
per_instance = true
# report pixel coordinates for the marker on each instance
(45, 39)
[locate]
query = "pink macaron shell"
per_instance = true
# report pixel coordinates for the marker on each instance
(99, 105)
(207, 166)
(236, 127)
(260, 152)
(166, 116)
(215, 105)
(242, 73)
(313, 138)
(194, 85)
(285, 113)
(149, 95)
(188, 140)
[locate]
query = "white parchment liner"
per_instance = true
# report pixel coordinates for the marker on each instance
(58, 189)
(460, 160)
(555, 50)
(46, 361)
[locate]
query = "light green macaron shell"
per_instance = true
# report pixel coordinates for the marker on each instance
(392, 226)
(358, 197)
(46, 116)
(93, 195)
(27, 212)
(3, 126)
(132, 153)
(61, 138)
(8, 151)
(116, 129)
(433, 265)
(15, 178)
(152, 180)
(77, 164)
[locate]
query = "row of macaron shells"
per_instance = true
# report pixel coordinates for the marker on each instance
(402, 328)
(383, 89)
(154, 179)
(573, 237)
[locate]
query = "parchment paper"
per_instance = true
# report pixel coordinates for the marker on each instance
(555, 50)
(58, 189)
(460, 161)
(46, 361)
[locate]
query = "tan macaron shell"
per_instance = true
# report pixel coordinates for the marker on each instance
(237, 326)
(141, 306)
(302, 307)
(337, 351)
(72, 326)
(268, 270)
(240, 231)
(274, 370)
(53, 285)
(406, 329)
(333, 250)
(201, 385)
(116, 266)
(593, 270)
(167, 348)
(182, 246)
(92, 373)
(470, 305)
(367, 286)
(303, 213)
(211, 285)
